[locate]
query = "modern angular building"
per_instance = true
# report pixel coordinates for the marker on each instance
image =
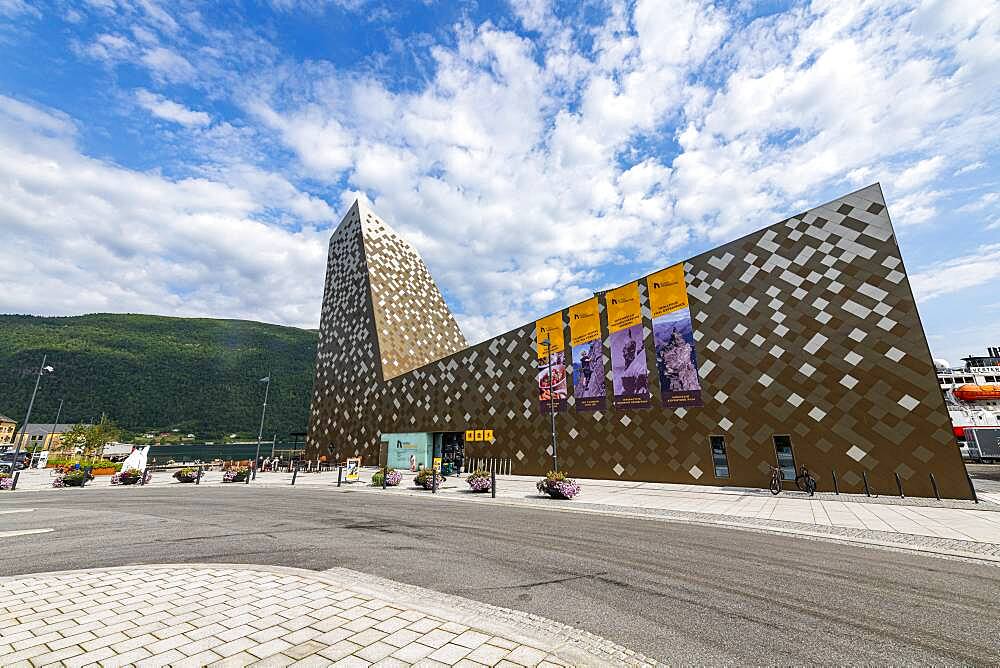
(797, 344)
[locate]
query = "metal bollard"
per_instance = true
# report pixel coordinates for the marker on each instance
(836, 489)
(340, 472)
(972, 488)
(899, 486)
(197, 480)
(385, 474)
(13, 483)
(295, 473)
(434, 481)
(142, 480)
(934, 485)
(246, 481)
(253, 471)
(493, 485)
(865, 476)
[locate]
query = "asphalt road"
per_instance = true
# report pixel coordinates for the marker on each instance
(682, 593)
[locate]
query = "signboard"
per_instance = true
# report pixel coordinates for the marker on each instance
(589, 392)
(673, 338)
(470, 435)
(437, 464)
(488, 435)
(353, 469)
(479, 435)
(629, 373)
(550, 378)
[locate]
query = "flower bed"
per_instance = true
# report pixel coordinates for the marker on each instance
(97, 467)
(70, 478)
(558, 486)
(425, 479)
(238, 474)
(130, 477)
(6, 481)
(480, 481)
(187, 474)
(392, 478)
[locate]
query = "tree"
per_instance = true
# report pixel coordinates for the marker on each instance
(74, 438)
(99, 435)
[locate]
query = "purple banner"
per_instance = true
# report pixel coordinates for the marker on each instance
(589, 393)
(628, 368)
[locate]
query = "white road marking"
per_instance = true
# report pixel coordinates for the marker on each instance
(25, 532)
(19, 510)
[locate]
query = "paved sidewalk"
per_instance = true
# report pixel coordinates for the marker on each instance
(949, 527)
(229, 615)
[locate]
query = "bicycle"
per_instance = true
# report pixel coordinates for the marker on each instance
(806, 481)
(775, 480)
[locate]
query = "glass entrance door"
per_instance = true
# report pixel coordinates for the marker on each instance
(786, 458)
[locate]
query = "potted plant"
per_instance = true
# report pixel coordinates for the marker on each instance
(479, 481)
(6, 481)
(187, 474)
(237, 474)
(558, 486)
(425, 478)
(129, 477)
(392, 477)
(70, 478)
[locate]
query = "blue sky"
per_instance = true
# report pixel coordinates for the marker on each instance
(192, 158)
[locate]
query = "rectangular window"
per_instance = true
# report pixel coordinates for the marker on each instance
(719, 458)
(786, 460)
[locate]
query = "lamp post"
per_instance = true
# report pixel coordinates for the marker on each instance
(263, 410)
(42, 370)
(552, 404)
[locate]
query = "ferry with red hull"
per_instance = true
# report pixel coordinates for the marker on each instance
(972, 394)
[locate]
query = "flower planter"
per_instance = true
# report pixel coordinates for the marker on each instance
(236, 475)
(74, 478)
(480, 481)
(6, 481)
(187, 475)
(104, 471)
(557, 486)
(425, 479)
(129, 477)
(392, 479)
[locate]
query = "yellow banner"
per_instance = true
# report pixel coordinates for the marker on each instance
(667, 292)
(551, 326)
(624, 309)
(584, 322)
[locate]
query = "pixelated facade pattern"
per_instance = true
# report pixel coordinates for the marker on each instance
(806, 329)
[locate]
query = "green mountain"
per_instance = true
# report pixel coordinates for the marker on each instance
(149, 372)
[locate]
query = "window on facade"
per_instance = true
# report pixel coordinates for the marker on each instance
(786, 460)
(720, 460)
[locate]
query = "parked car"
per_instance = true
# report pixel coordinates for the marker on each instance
(7, 460)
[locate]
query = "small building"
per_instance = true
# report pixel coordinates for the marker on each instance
(45, 436)
(7, 427)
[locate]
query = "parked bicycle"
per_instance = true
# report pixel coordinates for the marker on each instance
(775, 480)
(806, 481)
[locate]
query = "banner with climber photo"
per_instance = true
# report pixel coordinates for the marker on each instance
(673, 338)
(550, 365)
(589, 393)
(629, 373)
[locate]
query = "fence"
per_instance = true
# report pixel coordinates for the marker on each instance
(500, 465)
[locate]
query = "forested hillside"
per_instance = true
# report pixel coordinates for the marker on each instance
(156, 373)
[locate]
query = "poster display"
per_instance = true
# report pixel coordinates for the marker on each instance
(673, 338)
(353, 469)
(589, 393)
(550, 377)
(629, 373)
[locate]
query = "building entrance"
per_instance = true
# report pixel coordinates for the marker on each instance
(413, 451)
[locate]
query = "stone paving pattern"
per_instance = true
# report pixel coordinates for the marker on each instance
(237, 616)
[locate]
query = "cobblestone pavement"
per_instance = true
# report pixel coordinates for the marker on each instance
(223, 615)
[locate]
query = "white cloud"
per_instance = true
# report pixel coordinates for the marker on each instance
(112, 239)
(961, 273)
(168, 66)
(920, 173)
(971, 167)
(169, 110)
(13, 8)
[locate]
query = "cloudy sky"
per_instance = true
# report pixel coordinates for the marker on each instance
(190, 158)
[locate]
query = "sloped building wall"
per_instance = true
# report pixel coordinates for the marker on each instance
(807, 328)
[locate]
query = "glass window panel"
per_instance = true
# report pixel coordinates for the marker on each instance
(786, 460)
(720, 460)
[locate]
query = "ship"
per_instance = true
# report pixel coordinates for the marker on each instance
(972, 395)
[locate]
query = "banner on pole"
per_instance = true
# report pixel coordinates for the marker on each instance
(629, 373)
(550, 378)
(589, 393)
(673, 338)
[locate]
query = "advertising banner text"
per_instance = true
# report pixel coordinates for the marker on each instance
(589, 393)
(673, 338)
(550, 378)
(629, 373)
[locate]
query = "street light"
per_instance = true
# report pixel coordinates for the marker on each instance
(42, 370)
(552, 408)
(260, 432)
